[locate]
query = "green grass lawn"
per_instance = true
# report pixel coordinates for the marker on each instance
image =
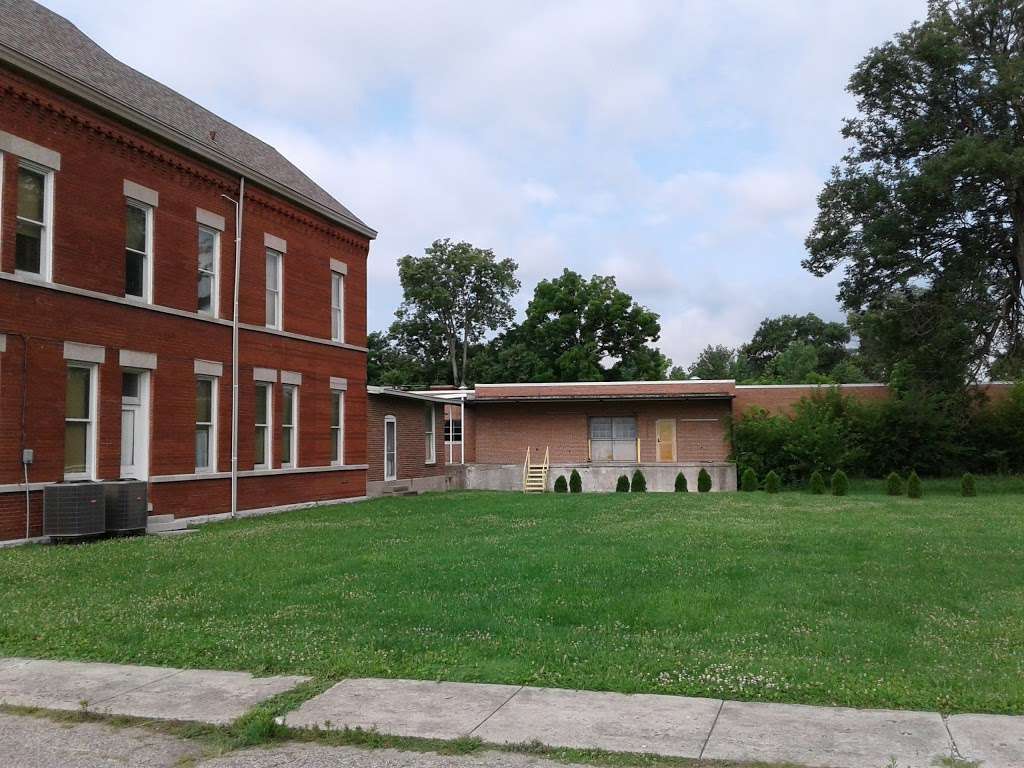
(861, 601)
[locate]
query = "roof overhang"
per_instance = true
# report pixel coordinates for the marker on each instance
(75, 87)
(405, 394)
(603, 398)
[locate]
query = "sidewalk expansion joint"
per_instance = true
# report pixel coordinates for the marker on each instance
(132, 690)
(954, 750)
(711, 730)
(506, 701)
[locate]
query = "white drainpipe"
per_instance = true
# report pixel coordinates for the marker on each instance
(239, 209)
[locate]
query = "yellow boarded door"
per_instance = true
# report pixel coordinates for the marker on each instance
(666, 439)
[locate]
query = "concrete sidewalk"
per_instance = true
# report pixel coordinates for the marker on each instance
(165, 693)
(676, 726)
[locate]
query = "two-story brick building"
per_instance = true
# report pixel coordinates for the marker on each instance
(134, 310)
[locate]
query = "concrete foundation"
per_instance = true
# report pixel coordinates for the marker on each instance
(413, 484)
(602, 477)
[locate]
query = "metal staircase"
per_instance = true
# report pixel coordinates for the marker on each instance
(535, 476)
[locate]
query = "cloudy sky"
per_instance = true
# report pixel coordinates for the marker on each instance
(676, 145)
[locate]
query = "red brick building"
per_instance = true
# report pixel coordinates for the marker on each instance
(607, 429)
(118, 207)
(405, 442)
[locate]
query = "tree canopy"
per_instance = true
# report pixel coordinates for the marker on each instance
(578, 329)
(455, 293)
(925, 213)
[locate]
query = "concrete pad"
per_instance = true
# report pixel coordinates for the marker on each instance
(827, 736)
(66, 684)
(205, 696)
(996, 741)
(676, 726)
(403, 707)
(37, 742)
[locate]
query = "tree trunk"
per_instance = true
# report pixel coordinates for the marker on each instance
(465, 351)
(453, 359)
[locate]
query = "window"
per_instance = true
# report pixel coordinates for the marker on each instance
(273, 288)
(206, 425)
(209, 252)
(138, 256)
(390, 448)
(613, 438)
(263, 442)
(452, 430)
(337, 306)
(80, 423)
(32, 236)
(337, 427)
(429, 418)
(289, 425)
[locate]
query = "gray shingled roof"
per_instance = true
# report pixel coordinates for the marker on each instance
(35, 32)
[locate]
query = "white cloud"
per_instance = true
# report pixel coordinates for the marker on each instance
(677, 144)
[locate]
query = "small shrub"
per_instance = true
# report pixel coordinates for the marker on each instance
(816, 485)
(623, 485)
(748, 481)
(967, 487)
(772, 482)
(703, 481)
(560, 485)
(639, 484)
(575, 482)
(914, 489)
(840, 483)
(681, 483)
(894, 484)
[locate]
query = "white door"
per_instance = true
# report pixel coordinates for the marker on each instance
(390, 448)
(135, 425)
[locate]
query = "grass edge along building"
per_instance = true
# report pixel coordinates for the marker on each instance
(134, 311)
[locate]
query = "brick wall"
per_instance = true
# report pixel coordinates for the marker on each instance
(501, 432)
(410, 430)
(97, 155)
(781, 399)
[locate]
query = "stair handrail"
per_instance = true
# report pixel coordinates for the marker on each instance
(546, 463)
(526, 466)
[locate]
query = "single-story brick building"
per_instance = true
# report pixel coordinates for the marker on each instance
(405, 442)
(607, 429)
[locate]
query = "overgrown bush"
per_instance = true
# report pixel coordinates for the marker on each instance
(894, 484)
(816, 484)
(967, 486)
(575, 482)
(681, 483)
(703, 481)
(914, 489)
(840, 483)
(622, 486)
(748, 480)
(639, 484)
(772, 482)
(560, 485)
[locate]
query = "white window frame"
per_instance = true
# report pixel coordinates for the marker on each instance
(214, 310)
(46, 240)
(390, 419)
(277, 290)
(431, 444)
(290, 432)
(338, 430)
(337, 306)
(90, 422)
(211, 425)
(268, 427)
(147, 272)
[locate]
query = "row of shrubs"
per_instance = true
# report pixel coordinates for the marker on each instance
(637, 485)
(840, 484)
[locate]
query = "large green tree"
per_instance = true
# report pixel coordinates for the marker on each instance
(578, 329)
(453, 295)
(926, 210)
(776, 336)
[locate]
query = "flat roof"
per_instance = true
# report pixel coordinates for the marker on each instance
(408, 395)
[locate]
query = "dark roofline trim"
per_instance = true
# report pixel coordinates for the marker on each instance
(76, 87)
(403, 393)
(603, 398)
